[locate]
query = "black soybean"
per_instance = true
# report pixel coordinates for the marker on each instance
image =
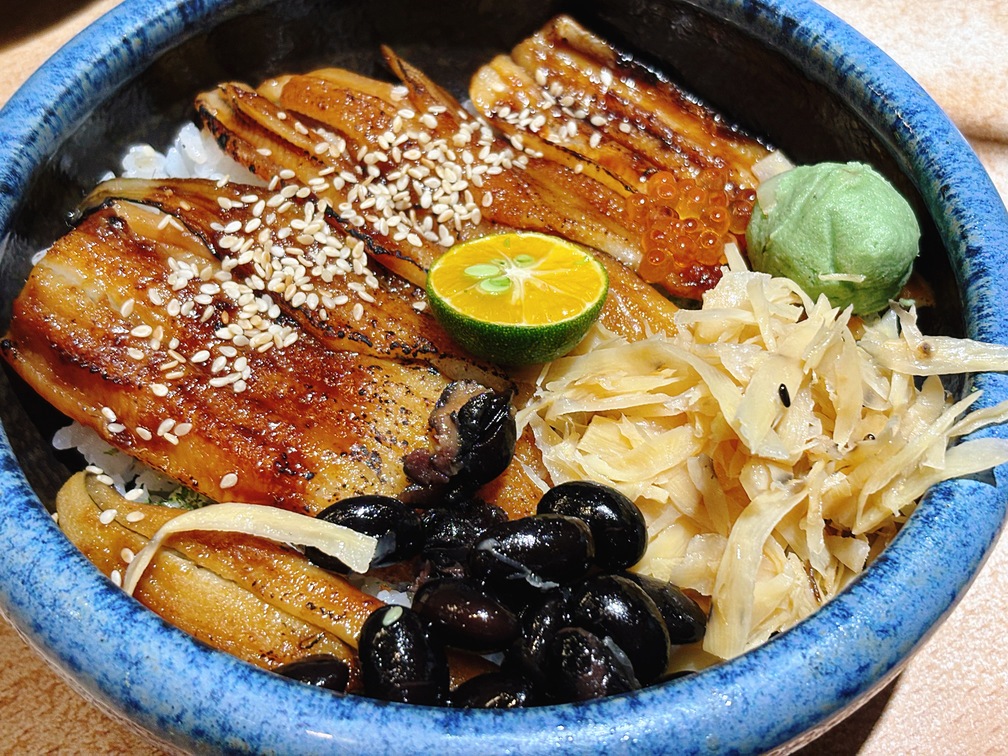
(494, 690)
(399, 660)
(685, 620)
(459, 526)
(541, 551)
(540, 621)
(616, 607)
(321, 670)
(616, 523)
(396, 526)
(487, 436)
(465, 615)
(450, 532)
(581, 666)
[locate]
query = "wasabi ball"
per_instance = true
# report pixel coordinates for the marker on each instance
(836, 229)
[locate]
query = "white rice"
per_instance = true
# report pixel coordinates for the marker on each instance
(129, 477)
(192, 154)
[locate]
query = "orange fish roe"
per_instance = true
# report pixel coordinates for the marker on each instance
(685, 224)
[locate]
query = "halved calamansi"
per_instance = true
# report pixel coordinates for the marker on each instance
(517, 298)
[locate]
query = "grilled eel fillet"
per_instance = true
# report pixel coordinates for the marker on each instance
(258, 600)
(408, 170)
(319, 277)
(586, 105)
(129, 324)
(579, 100)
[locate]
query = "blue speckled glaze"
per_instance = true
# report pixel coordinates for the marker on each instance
(132, 663)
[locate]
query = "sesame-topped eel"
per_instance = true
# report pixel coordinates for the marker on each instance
(408, 170)
(277, 242)
(686, 175)
(577, 98)
(130, 325)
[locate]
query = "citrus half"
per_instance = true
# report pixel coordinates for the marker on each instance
(517, 298)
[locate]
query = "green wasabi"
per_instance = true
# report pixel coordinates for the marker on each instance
(836, 229)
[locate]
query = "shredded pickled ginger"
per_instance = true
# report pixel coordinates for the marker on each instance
(773, 445)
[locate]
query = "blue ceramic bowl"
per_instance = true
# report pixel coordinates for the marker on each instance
(787, 70)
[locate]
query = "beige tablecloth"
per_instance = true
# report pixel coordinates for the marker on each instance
(950, 699)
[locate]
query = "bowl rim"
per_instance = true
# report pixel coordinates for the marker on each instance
(854, 645)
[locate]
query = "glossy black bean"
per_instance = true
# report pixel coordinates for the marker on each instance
(539, 623)
(445, 563)
(474, 430)
(541, 551)
(616, 607)
(487, 431)
(684, 619)
(616, 523)
(450, 532)
(494, 690)
(396, 526)
(582, 666)
(459, 526)
(399, 660)
(321, 670)
(465, 615)
(447, 539)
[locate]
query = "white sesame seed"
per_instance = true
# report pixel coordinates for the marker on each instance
(109, 414)
(229, 481)
(127, 555)
(116, 577)
(135, 516)
(115, 428)
(144, 433)
(134, 494)
(107, 516)
(224, 380)
(142, 331)
(159, 389)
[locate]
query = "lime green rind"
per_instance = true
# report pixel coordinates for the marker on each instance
(514, 345)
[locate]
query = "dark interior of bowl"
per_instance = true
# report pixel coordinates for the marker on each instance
(749, 83)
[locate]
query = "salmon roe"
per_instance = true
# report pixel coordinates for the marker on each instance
(685, 224)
